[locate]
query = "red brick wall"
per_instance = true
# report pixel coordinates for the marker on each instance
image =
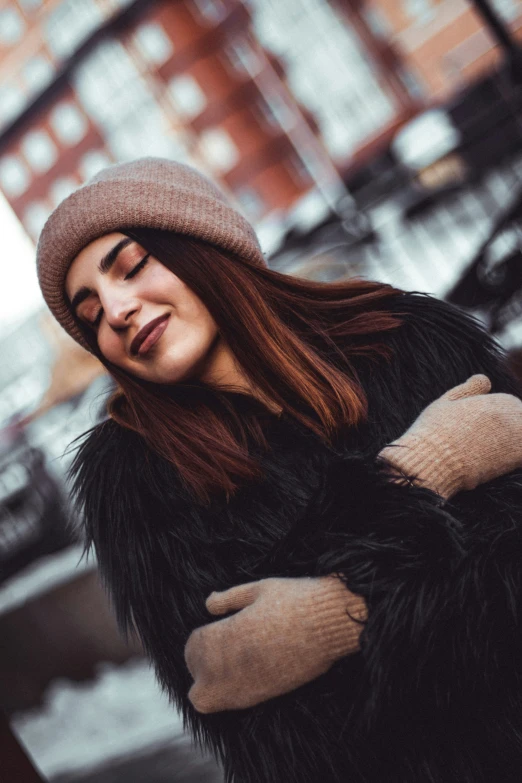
(451, 55)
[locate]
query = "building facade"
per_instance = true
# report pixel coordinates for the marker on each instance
(90, 82)
(334, 65)
(273, 100)
(442, 44)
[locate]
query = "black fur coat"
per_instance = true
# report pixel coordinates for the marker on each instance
(435, 695)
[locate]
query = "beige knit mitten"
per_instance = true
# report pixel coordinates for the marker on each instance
(464, 438)
(287, 633)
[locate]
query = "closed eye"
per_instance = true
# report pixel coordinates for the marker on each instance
(137, 268)
(128, 276)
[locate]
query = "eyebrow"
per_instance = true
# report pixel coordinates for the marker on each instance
(105, 265)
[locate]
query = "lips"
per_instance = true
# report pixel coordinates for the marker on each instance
(145, 332)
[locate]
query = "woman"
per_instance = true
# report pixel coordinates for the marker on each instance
(319, 455)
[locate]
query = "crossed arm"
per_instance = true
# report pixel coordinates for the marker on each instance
(286, 632)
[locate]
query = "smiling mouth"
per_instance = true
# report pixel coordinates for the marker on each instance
(149, 335)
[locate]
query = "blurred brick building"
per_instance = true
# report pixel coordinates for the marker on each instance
(442, 44)
(272, 99)
(89, 82)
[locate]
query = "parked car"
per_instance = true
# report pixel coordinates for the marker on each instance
(33, 511)
(492, 284)
(444, 147)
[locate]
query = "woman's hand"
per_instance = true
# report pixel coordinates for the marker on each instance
(286, 633)
(465, 438)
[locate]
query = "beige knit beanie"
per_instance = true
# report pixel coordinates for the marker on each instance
(153, 192)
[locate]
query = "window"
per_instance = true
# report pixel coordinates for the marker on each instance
(68, 123)
(218, 149)
(178, 147)
(425, 139)
(70, 24)
(109, 86)
(311, 162)
(14, 176)
(144, 133)
(419, 11)
(30, 5)
(243, 57)
(118, 99)
(328, 71)
(153, 43)
(187, 96)
(61, 188)
(507, 9)
(276, 112)
(210, 10)
(12, 26)
(377, 21)
(12, 102)
(298, 169)
(37, 73)
(264, 111)
(251, 203)
(93, 162)
(34, 217)
(412, 83)
(39, 150)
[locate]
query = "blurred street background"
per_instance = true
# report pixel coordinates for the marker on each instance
(361, 138)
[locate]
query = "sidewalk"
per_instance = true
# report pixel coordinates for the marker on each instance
(176, 762)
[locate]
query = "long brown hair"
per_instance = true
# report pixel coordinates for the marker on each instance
(280, 330)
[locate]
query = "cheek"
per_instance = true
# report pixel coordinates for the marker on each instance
(160, 284)
(110, 345)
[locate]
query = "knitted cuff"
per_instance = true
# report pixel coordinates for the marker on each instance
(339, 616)
(428, 461)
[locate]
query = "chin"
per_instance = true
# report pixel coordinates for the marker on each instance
(172, 375)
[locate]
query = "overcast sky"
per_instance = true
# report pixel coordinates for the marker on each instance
(19, 291)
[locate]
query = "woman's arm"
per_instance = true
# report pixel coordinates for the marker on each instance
(465, 438)
(403, 552)
(134, 516)
(441, 580)
(289, 631)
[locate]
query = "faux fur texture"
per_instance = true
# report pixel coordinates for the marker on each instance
(435, 695)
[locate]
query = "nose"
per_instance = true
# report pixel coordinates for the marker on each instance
(120, 310)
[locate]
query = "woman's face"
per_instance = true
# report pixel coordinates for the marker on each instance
(146, 320)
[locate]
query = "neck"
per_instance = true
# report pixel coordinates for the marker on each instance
(223, 371)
